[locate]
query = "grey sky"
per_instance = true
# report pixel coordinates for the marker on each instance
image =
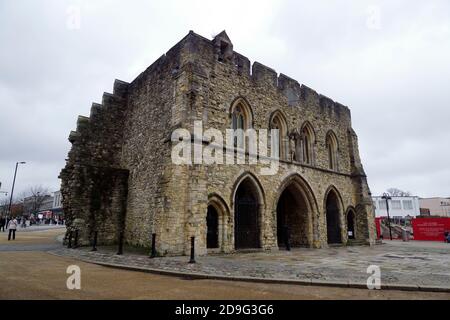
(389, 61)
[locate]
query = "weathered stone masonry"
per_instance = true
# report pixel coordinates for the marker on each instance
(119, 176)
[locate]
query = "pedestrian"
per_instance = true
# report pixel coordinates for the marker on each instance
(2, 224)
(12, 226)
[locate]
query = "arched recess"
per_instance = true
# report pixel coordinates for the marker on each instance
(295, 207)
(278, 121)
(241, 120)
(332, 146)
(307, 143)
(218, 234)
(241, 114)
(333, 212)
(351, 223)
(248, 205)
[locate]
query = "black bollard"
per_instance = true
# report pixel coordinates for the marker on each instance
(94, 244)
(69, 244)
(288, 239)
(192, 260)
(153, 253)
(75, 245)
(120, 251)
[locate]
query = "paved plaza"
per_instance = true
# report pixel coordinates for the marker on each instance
(411, 265)
(32, 270)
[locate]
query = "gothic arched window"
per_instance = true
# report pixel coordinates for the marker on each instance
(307, 144)
(278, 122)
(241, 119)
(332, 149)
(238, 118)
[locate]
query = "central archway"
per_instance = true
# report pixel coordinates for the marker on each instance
(246, 216)
(295, 208)
(292, 218)
(333, 213)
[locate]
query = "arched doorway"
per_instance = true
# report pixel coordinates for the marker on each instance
(351, 224)
(292, 217)
(212, 228)
(333, 223)
(246, 216)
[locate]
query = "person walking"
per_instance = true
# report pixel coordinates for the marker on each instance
(2, 224)
(12, 226)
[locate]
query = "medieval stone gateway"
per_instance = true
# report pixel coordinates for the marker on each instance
(120, 181)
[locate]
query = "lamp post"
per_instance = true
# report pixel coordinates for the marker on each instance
(12, 189)
(387, 198)
(444, 206)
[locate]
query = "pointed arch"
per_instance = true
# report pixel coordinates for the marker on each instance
(351, 222)
(331, 143)
(308, 141)
(241, 114)
(295, 207)
(217, 224)
(333, 206)
(303, 184)
(248, 207)
(254, 179)
(278, 121)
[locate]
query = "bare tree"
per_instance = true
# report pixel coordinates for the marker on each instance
(34, 197)
(4, 204)
(395, 192)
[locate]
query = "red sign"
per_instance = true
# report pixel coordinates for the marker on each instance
(378, 226)
(430, 229)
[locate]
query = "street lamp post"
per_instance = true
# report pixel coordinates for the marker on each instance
(12, 189)
(387, 198)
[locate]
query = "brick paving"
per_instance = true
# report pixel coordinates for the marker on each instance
(410, 265)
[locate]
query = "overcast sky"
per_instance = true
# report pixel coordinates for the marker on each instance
(389, 61)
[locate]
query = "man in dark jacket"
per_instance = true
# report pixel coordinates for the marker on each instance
(2, 223)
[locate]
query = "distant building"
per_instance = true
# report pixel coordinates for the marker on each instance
(33, 204)
(436, 206)
(57, 203)
(399, 207)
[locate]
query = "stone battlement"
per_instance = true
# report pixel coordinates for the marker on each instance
(220, 48)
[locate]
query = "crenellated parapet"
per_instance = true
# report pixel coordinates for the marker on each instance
(263, 74)
(97, 138)
(220, 50)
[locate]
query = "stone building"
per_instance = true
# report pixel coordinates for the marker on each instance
(120, 179)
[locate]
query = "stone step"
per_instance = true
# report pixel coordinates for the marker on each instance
(352, 242)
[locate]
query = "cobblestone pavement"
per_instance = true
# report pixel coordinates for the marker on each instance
(406, 265)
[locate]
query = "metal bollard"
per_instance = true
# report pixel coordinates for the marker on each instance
(94, 245)
(69, 244)
(75, 245)
(120, 251)
(153, 253)
(192, 260)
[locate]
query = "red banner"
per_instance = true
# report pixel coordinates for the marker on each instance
(378, 226)
(430, 229)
